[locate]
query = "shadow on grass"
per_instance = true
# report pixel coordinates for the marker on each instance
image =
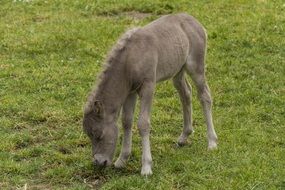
(96, 177)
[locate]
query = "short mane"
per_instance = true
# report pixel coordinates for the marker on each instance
(109, 61)
(119, 46)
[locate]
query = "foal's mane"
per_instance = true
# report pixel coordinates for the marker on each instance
(111, 59)
(118, 48)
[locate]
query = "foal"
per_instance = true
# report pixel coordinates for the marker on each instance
(166, 48)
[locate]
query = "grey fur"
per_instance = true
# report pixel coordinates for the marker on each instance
(166, 48)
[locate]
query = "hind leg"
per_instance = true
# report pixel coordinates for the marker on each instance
(195, 68)
(206, 101)
(184, 90)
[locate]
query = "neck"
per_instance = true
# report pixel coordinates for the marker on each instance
(113, 90)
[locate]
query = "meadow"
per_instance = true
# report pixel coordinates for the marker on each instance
(51, 52)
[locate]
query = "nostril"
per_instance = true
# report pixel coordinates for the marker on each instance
(100, 160)
(100, 163)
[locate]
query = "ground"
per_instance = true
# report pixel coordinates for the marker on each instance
(52, 51)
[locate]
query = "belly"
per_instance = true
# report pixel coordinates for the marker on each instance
(171, 58)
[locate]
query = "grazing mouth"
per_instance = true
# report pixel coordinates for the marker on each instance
(101, 162)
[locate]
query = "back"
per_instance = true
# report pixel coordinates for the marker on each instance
(167, 42)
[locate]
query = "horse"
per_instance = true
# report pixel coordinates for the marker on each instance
(167, 48)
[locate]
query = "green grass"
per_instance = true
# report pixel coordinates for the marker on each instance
(52, 51)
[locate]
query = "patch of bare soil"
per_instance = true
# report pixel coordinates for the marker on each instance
(136, 15)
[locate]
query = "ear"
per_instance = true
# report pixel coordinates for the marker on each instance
(98, 109)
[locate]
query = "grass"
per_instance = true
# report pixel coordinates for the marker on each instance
(52, 51)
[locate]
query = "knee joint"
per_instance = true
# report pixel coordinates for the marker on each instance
(144, 126)
(204, 96)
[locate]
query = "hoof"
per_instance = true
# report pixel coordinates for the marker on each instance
(181, 143)
(182, 140)
(146, 171)
(120, 163)
(212, 146)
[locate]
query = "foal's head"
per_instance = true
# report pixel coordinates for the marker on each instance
(102, 132)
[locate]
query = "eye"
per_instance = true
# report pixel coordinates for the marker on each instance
(99, 138)
(97, 134)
